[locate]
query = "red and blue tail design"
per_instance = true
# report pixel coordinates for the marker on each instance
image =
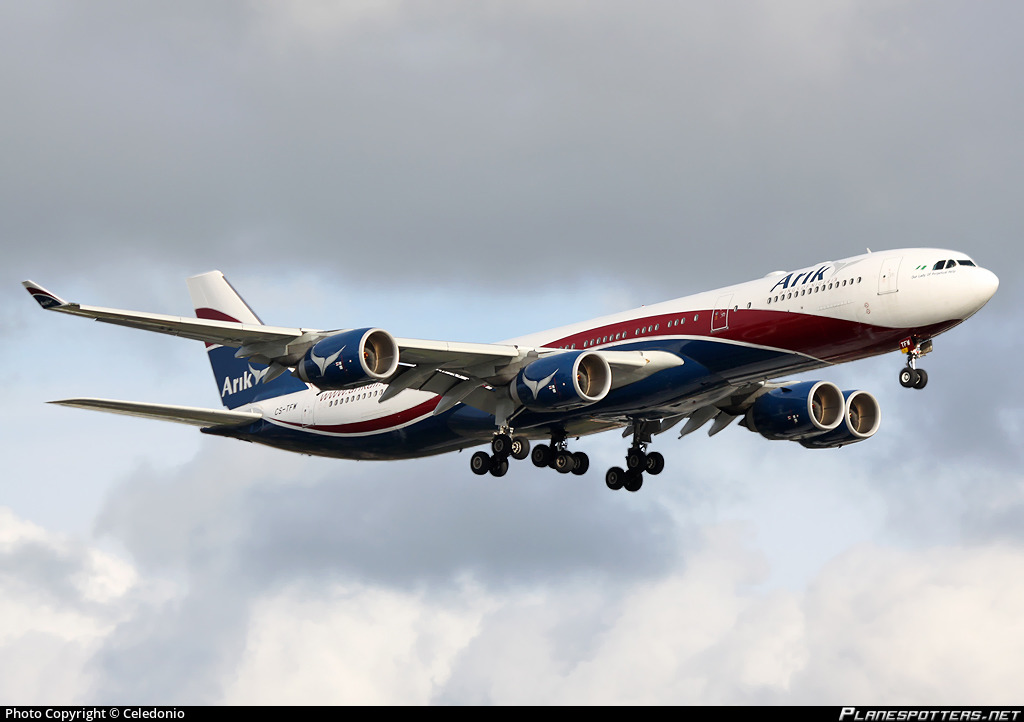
(239, 381)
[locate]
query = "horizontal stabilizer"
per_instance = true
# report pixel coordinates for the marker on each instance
(165, 412)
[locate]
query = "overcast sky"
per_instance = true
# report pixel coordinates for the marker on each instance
(474, 171)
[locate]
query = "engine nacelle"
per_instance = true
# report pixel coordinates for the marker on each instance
(862, 418)
(797, 412)
(350, 358)
(563, 381)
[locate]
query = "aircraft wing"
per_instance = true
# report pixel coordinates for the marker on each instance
(460, 372)
(289, 342)
(225, 333)
(181, 414)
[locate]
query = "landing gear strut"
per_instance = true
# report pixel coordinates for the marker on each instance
(637, 462)
(910, 375)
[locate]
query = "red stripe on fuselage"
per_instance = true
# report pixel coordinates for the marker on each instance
(379, 424)
(829, 339)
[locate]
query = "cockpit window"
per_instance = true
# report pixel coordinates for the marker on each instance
(939, 266)
(950, 263)
(966, 263)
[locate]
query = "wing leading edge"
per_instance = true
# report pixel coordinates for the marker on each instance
(191, 415)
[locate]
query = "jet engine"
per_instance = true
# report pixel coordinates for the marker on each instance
(862, 418)
(563, 381)
(350, 358)
(798, 411)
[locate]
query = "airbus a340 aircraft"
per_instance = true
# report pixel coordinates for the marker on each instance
(364, 394)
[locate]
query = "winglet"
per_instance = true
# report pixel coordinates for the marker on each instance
(43, 297)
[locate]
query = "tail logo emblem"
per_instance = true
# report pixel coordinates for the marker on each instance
(258, 374)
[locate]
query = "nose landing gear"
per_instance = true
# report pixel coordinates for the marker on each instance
(910, 375)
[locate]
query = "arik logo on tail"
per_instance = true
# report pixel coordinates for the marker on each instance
(246, 381)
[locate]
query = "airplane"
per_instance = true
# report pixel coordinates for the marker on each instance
(711, 357)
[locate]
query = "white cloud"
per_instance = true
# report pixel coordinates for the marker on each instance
(896, 627)
(352, 644)
(58, 604)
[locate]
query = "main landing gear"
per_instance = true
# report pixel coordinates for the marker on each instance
(637, 462)
(503, 445)
(559, 458)
(910, 375)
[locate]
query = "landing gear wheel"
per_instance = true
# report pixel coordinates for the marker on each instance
(501, 445)
(922, 379)
(541, 455)
(655, 463)
(634, 480)
(582, 463)
(500, 468)
(480, 463)
(636, 459)
(564, 462)
(520, 447)
(909, 377)
(615, 478)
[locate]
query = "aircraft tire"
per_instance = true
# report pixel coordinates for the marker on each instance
(908, 377)
(582, 463)
(634, 480)
(541, 455)
(655, 463)
(520, 447)
(636, 460)
(922, 379)
(615, 478)
(480, 463)
(499, 467)
(564, 462)
(501, 445)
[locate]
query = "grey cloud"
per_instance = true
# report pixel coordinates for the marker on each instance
(396, 524)
(464, 134)
(232, 533)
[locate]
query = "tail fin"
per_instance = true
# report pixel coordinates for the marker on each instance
(239, 381)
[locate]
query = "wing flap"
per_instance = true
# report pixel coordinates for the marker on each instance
(191, 415)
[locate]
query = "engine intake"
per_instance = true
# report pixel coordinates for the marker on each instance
(798, 411)
(862, 418)
(350, 358)
(563, 381)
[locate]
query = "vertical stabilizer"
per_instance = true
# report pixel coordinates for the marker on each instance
(239, 381)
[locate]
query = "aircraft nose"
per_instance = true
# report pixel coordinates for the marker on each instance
(988, 283)
(983, 286)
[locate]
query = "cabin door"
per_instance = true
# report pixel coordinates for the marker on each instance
(720, 316)
(888, 277)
